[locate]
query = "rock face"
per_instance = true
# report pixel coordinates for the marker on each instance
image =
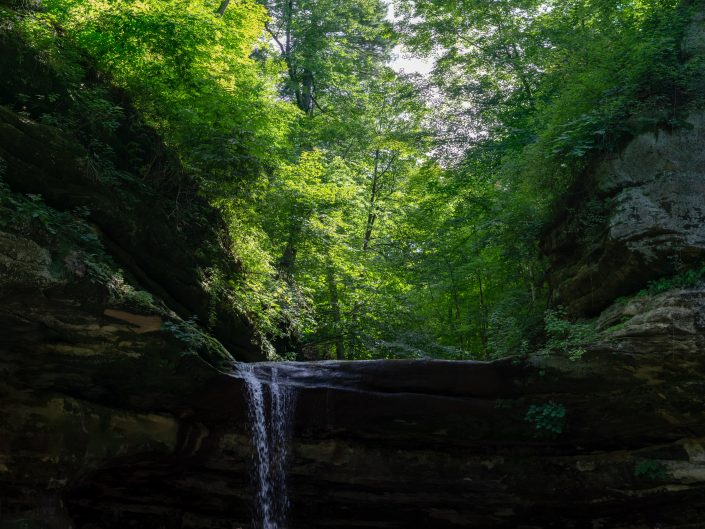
(446, 445)
(618, 441)
(693, 43)
(164, 245)
(645, 219)
(639, 214)
(93, 368)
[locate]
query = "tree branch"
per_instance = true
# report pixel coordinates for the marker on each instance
(282, 48)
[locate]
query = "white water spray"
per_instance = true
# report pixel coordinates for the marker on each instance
(270, 414)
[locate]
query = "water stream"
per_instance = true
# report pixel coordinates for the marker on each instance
(270, 409)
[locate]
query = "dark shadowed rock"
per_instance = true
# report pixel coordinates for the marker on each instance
(693, 43)
(645, 219)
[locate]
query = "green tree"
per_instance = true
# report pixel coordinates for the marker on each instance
(382, 215)
(327, 46)
(191, 73)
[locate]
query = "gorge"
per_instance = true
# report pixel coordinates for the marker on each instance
(148, 382)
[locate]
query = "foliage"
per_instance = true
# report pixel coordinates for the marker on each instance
(685, 279)
(332, 216)
(186, 331)
(650, 469)
(552, 83)
(24, 213)
(620, 325)
(566, 337)
(375, 215)
(548, 419)
(328, 47)
(191, 74)
(77, 250)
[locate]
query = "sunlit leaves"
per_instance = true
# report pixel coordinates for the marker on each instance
(328, 47)
(192, 75)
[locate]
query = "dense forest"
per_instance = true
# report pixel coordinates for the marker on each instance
(375, 213)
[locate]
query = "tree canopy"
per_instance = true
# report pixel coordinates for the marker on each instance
(379, 214)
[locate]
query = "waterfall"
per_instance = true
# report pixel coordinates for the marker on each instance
(270, 414)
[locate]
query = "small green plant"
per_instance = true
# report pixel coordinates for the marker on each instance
(616, 327)
(548, 419)
(619, 325)
(28, 209)
(576, 354)
(27, 212)
(186, 331)
(142, 298)
(650, 469)
(504, 404)
(685, 279)
(566, 337)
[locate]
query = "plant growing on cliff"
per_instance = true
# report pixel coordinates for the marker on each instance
(548, 419)
(650, 469)
(24, 212)
(685, 279)
(565, 336)
(186, 331)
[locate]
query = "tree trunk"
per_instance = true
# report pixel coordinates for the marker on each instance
(335, 309)
(223, 6)
(372, 214)
(288, 259)
(483, 317)
(307, 92)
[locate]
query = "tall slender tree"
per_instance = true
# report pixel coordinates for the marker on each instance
(327, 46)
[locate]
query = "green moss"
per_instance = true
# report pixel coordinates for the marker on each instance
(615, 328)
(619, 326)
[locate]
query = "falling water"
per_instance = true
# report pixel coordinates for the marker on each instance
(270, 425)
